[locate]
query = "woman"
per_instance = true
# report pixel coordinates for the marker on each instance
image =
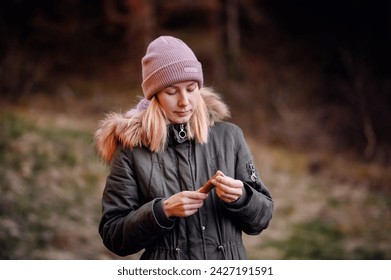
(160, 154)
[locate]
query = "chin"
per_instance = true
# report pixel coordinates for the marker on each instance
(180, 120)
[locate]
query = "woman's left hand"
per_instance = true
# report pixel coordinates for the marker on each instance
(227, 188)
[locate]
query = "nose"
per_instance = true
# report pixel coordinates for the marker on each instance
(183, 100)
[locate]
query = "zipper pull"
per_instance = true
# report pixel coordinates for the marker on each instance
(182, 132)
(253, 175)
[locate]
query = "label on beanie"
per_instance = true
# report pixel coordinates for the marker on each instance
(190, 69)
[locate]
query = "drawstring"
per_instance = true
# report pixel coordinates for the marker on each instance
(176, 242)
(177, 253)
(222, 249)
(219, 234)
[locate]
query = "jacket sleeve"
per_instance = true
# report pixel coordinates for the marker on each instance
(128, 223)
(253, 211)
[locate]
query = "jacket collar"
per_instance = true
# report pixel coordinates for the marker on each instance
(126, 128)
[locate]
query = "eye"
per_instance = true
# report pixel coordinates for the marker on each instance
(191, 88)
(170, 91)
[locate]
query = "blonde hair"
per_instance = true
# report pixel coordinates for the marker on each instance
(147, 125)
(154, 125)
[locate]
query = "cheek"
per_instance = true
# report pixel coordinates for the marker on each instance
(165, 103)
(195, 99)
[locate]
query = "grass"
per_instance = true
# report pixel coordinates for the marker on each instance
(326, 206)
(49, 180)
(321, 216)
(316, 239)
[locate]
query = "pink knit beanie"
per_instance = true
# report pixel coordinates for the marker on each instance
(168, 61)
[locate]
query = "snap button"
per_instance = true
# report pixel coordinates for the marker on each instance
(203, 228)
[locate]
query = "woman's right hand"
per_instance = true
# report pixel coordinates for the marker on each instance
(184, 203)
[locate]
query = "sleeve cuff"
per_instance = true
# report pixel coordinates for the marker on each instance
(160, 216)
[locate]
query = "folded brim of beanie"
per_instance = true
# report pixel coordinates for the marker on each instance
(176, 72)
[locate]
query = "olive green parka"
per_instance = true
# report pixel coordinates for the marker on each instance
(139, 181)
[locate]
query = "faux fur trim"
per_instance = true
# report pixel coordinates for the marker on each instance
(125, 129)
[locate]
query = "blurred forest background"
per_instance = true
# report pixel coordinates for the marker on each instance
(308, 81)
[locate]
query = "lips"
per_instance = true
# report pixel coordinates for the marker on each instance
(180, 113)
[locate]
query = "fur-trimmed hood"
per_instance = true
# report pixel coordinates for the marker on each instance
(126, 129)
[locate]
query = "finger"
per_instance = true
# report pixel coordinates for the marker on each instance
(195, 195)
(224, 180)
(189, 212)
(228, 197)
(195, 204)
(190, 209)
(229, 182)
(223, 183)
(231, 197)
(190, 204)
(224, 190)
